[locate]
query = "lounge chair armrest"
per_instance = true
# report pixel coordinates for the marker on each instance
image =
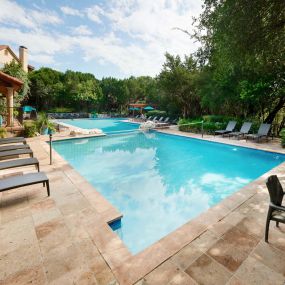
(280, 208)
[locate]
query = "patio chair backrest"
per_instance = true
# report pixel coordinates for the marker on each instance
(245, 127)
(264, 129)
(154, 118)
(166, 120)
(231, 125)
(149, 118)
(275, 190)
(160, 119)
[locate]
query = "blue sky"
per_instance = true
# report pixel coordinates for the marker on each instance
(116, 38)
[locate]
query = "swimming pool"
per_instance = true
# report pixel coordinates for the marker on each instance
(160, 181)
(106, 125)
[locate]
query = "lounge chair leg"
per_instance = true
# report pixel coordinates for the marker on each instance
(277, 224)
(48, 190)
(38, 167)
(44, 184)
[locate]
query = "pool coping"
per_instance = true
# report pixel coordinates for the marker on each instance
(128, 268)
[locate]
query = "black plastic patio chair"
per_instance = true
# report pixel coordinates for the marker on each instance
(262, 132)
(14, 146)
(20, 163)
(244, 130)
(230, 127)
(276, 211)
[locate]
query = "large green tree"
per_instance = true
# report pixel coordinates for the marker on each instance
(243, 55)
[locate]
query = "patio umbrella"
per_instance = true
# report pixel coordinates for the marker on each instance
(148, 108)
(131, 109)
(136, 109)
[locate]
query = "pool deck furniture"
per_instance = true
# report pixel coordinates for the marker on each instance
(230, 127)
(276, 211)
(13, 140)
(244, 130)
(9, 153)
(20, 163)
(262, 132)
(14, 146)
(163, 123)
(24, 180)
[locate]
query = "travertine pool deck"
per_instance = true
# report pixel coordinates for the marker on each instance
(65, 239)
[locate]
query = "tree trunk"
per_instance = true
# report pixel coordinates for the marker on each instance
(269, 119)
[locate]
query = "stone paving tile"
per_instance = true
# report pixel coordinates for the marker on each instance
(182, 278)
(207, 271)
(26, 256)
(162, 274)
(16, 234)
(270, 256)
(205, 241)
(235, 281)
(233, 248)
(34, 275)
(186, 256)
(254, 272)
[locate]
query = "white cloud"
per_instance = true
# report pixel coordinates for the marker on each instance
(94, 13)
(82, 30)
(70, 11)
(16, 15)
(131, 35)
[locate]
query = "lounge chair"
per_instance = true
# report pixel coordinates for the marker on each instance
(163, 122)
(243, 130)
(13, 140)
(9, 153)
(262, 132)
(158, 121)
(230, 127)
(24, 180)
(149, 118)
(20, 163)
(154, 119)
(276, 211)
(14, 146)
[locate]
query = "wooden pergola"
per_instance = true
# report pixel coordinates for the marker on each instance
(9, 85)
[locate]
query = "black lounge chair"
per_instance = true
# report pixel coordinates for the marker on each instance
(19, 163)
(230, 127)
(158, 121)
(14, 146)
(9, 153)
(243, 130)
(262, 132)
(13, 140)
(24, 180)
(163, 122)
(276, 211)
(154, 119)
(149, 118)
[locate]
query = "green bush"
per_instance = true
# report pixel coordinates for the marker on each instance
(30, 129)
(156, 113)
(282, 134)
(3, 132)
(61, 110)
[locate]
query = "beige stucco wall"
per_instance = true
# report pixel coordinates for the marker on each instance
(5, 57)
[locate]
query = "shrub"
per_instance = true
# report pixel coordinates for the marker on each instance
(156, 113)
(30, 129)
(61, 110)
(282, 134)
(3, 132)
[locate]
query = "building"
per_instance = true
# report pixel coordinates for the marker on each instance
(7, 55)
(8, 84)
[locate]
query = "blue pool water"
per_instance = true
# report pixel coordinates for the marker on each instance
(159, 181)
(106, 125)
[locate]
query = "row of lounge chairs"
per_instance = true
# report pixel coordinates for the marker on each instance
(159, 121)
(262, 132)
(67, 115)
(11, 147)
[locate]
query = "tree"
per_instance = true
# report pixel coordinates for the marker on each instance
(243, 53)
(178, 81)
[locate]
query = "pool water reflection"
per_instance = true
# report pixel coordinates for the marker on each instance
(159, 181)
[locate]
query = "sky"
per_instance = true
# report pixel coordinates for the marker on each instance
(118, 38)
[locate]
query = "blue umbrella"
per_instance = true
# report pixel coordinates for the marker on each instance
(131, 109)
(136, 109)
(148, 108)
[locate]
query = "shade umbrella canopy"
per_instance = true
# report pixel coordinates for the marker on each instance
(28, 109)
(131, 109)
(136, 109)
(148, 108)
